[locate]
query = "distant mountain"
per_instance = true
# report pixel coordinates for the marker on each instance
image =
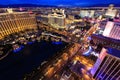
(35, 5)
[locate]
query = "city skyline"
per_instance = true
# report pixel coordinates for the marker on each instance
(59, 40)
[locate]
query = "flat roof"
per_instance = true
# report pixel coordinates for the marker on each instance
(107, 38)
(114, 52)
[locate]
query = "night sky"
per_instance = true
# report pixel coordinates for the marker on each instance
(60, 2)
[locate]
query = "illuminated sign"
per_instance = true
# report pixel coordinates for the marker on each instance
(95, 54)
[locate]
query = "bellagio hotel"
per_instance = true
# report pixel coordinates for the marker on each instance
(12, 22)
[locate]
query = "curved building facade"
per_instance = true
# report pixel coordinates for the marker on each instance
(15, 22)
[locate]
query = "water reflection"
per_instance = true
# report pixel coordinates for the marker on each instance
(15, 66)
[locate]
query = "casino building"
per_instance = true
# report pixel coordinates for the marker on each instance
(57, 18)
(107, 66)
(12, 22)
(111, 12)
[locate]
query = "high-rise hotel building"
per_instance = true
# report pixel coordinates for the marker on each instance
(112, 30)
(107, 66)
(87, 13)
(57, 18)
(12, 22)
(111, 12)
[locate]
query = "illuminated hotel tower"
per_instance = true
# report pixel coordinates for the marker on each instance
(111, 12)
(112, 30)
(57, 18)
(87, 13)
(107, 66)
(12, 22)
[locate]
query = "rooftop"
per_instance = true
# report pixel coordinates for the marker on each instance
(114, 52)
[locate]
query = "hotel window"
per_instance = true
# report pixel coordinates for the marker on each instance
(114, 69)
(108, 68)
(117, 68)
(96, 73)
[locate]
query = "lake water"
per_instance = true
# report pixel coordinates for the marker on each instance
(16, 65)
